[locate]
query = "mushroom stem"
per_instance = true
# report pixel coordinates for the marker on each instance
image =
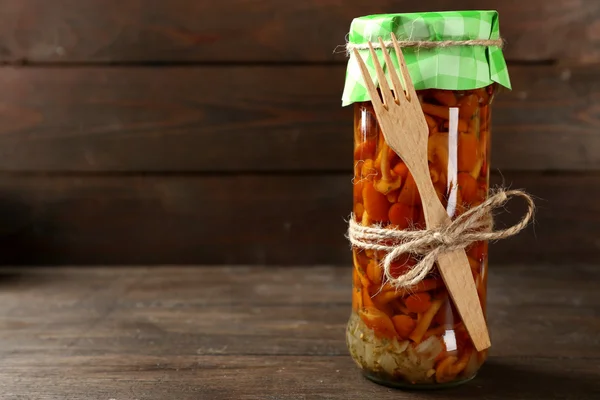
(385, 163)
(389, 181)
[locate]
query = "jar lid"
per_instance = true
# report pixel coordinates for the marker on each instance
(452, 50)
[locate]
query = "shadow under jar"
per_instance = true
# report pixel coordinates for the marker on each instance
(415, 337)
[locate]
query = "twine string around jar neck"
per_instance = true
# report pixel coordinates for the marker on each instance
(476, 224)
(427, 44)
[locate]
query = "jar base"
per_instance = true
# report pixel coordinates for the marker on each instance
(414, 386)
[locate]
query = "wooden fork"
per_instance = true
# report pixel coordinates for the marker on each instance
(405, 130)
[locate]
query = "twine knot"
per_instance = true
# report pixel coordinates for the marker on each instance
(474, 225)
(441, 239)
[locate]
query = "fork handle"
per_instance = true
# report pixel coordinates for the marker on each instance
(453, 266)
(459, 279)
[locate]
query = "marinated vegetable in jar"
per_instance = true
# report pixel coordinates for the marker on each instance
(414, 337)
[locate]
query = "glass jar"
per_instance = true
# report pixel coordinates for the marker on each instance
(415, 337)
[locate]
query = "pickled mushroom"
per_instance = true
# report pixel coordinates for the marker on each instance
(389, 180)
(437, 150)
(376, 204)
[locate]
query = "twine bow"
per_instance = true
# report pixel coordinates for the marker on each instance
(474, 225)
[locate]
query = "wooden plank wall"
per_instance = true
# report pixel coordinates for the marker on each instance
(153, 132)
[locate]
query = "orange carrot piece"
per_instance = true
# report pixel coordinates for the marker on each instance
(401, 215)
(468, 152)
(468, 188)
(425, 285)
(385, 307)
(450, 367)
(423, 324)
(404, 325)
(378, 321)
(387, 294)
(401, 170)
(443, 369)
(363, 257)
(443, 354)
(360, 270)
(375, 203)
(374, 272)
(435, 110)
(384, 298)
(367, 299)
(409, 194)
(418, 302)
(365, 150)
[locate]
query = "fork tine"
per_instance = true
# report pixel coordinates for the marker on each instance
(375, 100)
(398, 89)
(408, 85)
(386, 92)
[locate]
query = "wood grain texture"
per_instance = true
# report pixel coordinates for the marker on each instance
(265, 30)
(255, 219)
(278, 377)
(280, 119)
(269, 333)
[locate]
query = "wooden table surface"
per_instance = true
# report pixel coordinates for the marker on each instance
(269, 333)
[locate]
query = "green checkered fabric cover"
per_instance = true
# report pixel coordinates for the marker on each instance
(451, 68)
